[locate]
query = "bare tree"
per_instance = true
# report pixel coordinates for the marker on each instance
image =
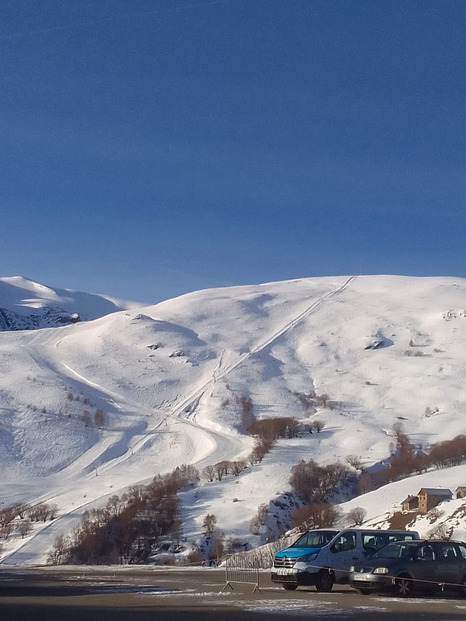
(356, 516)
(209, 473)
(398, 429)
(258, 520)
(260, 450)
(365, 483)
(236, 467)
(188, 475)
(318, 425)
(99, 418)
(52, 513)
(60, 551)
(316, 484)
(209, 524)
(354, 461)
(322, 400)
(316, 516)
(42, 511)
(246, 410)
(221, 469)
(21, 509)
(24, 527)
(7, 515)
(5, 530)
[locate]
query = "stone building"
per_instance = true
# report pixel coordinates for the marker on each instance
(430, 497)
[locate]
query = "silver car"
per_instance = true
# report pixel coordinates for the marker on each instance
(404, 566)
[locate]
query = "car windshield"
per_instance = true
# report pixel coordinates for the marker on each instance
(315, 539)
(398, 549)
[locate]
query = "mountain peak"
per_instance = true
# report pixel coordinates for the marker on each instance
(26, 305)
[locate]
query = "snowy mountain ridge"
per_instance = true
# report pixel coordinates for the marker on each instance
(169, 383)
(27, 305)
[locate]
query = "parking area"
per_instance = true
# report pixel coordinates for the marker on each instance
(136, 593)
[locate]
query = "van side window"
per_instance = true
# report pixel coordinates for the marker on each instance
(371, 543)
(346, 541)
(401, 537)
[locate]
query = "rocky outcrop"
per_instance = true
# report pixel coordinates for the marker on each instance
(49, 317)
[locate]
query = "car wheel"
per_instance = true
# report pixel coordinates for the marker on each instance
(462, 588)
(290, 587)
(324, 581)
(403, 586)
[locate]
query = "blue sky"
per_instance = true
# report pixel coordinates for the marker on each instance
(153, 147)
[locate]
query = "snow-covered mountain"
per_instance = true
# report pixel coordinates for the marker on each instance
(27, 305)
(169, 383)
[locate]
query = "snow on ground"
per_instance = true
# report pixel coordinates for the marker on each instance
(169, 381)
(383, 502)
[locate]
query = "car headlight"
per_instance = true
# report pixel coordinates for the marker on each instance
(309, 557)
(381, 570)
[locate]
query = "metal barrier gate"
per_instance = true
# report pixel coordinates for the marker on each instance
(241, 575)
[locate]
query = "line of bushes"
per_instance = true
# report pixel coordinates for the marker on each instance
(128, 527)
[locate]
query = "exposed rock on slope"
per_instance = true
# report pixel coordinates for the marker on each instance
(27, 305)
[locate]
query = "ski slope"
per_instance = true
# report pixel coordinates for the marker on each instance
(169, 379)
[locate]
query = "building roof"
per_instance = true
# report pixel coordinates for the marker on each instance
(435, 491)
(409, 498)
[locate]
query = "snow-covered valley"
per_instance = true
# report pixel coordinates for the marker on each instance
(89, 409)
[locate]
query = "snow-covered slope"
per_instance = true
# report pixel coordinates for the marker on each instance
(170, 381)
(27, 305)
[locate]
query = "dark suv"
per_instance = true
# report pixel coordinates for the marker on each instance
(404, 566)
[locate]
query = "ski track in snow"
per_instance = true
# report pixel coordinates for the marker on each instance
(182, 414)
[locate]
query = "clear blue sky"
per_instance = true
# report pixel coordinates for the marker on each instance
(153, 147)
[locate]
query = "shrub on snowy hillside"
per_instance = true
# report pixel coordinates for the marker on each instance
(407, 460)
(316, 515)
(270, 429)
(316, 484)
(128, 528)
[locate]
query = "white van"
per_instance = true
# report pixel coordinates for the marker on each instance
(322, 557)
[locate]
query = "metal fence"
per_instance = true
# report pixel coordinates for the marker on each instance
(235, 573)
